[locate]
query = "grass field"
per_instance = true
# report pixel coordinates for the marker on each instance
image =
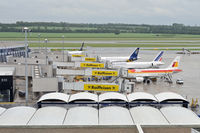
(139, 39)
(97, 36)
(109, 45)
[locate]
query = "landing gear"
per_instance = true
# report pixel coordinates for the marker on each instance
(148, 81)
(169, 78)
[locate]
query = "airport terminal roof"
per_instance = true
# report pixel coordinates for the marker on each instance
(83, 96)
(81, 116)
(168, 96)
(6, 70)
(48, 116)
(139, 96)
(17, 115)
(112, 96)
(2, 110)
(145, 115)
(111, 115)
(180, 115)
(55, 96)
(114, 115)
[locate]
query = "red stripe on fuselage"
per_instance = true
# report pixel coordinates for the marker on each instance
(153, 71)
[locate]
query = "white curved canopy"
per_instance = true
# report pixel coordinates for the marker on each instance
(135, 96)
(165, 96)
(145, 115)
(55, 96)
(81, 116)
(114, 115)
(2, 110)
(112, 96)
(48, 116)
(17, 115)
(83, 96)
(180, 115)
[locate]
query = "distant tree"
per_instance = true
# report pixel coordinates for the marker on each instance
(38, 28)
(45, 28)
(117, 32)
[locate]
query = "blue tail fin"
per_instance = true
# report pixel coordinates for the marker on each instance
(82, 45)
(134, 55)
(159, 56)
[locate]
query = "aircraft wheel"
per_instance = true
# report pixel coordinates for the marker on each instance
(148, 81)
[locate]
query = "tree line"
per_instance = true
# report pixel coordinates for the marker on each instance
(63, 27)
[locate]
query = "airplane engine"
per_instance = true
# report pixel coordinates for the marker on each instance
(155, 65)
(139, 79)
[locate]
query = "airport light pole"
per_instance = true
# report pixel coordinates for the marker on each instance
(39, 41)
(46, 49)
(63, 47)
(26, 66)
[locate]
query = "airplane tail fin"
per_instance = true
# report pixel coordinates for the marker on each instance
(175, 63)
(159, 56)
(82, 45)
(134, 55)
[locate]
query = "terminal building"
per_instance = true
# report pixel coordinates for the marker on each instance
(16, 51)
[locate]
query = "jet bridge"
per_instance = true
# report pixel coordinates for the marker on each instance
(64, 65)
(119, 85)
(88, 72)
(83, 58)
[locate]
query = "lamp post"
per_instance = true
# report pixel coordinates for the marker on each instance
(39, 41)
(26, 66)
(46, 49)
(63, 47)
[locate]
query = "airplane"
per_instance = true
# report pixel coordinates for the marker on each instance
(157, 61)
(77, 52)
(132, 57)
(146, 74)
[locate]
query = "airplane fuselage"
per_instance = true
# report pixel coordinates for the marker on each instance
(75, 52)
(115, 59)
(151, 73)
(136, 65)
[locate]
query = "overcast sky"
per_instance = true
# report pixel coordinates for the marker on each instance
(102, 11)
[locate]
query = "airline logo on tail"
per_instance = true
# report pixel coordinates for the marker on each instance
(175, 64)
(159, 56)
(134, 55)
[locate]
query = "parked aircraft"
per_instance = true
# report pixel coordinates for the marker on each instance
(132, 57)
(146, 74)
(141, 65)
(77, 52)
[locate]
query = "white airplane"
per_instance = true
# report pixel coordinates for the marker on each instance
(143, 74)
(77, 52)
(132, 57)
(141, 65)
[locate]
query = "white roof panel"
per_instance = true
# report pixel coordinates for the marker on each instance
(180, 115)
(145, 115)
(83, 96)
(6, 70)
(169, 96)
(140, 96)
(2, 110)
(111, 96)
(54, 96)
(17, 115)
(48, 116)
(81, 116)
(114, 115)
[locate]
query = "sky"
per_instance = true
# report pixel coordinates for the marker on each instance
(102, 11)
